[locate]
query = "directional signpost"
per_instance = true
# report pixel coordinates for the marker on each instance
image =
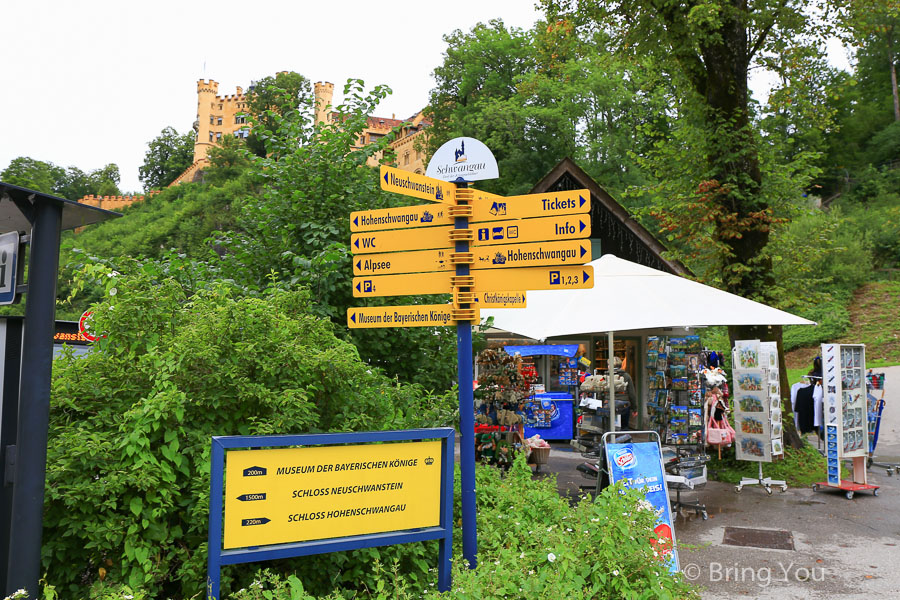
(488, 207)
(417, 186)
(420, 315)
(484, 249)
(535, 254)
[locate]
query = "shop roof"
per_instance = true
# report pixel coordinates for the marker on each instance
(17, 202)
(611, 222)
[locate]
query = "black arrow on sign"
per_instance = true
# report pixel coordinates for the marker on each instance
(251, 497)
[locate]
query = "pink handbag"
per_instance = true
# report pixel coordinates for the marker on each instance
(719, 433)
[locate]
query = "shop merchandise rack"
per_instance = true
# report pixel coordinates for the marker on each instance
(875, 383)
(676, 412)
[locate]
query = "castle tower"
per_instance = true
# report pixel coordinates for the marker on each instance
(323, 93)
(206, 100)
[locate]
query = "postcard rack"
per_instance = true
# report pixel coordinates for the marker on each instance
(676, 412)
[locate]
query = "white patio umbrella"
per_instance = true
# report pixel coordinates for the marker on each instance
(627, 296)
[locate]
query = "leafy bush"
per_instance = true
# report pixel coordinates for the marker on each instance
(128, 454)
(532, 544)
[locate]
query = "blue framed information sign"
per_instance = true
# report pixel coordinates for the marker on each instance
(282, 496)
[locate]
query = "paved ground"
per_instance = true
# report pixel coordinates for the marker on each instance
(842, 548)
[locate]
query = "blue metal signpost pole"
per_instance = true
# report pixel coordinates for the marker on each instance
(466, 416)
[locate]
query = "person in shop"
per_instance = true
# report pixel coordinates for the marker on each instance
(629, 390)
(806, 400)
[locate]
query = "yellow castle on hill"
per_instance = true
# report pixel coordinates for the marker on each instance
(220, 116)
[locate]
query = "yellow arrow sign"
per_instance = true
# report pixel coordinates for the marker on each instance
(515, 231)
(402, 285)
(425, 315)
(536, 254)
(485, 257)
(532, 230)
(417, 186)
(487, 207)
(536, 278)
(400, 240)
(417, 261)
(428, 215)
(500, 299)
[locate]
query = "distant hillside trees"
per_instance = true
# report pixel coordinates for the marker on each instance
(70, 183)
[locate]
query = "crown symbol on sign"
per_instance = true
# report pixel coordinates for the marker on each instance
(429, 461)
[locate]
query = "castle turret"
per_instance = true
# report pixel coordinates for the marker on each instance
(323, 95)
(206, 101)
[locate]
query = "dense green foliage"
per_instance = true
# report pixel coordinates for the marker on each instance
(128, 457)
(167, 157)
(71, 183)
(272, 97)
(532, 545)
(535, 97)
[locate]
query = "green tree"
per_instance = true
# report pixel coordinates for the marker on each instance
(275, 96)
(167, 157)
(71, 183)
(33, 174)
(537, 96)
(297, 230)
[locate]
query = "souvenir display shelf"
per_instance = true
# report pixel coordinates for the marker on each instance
(676, 412)
(845, 417)
(758, 422)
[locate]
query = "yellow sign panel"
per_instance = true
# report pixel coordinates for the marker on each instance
(417, 186)
(400, 218)
(402, 285)
(424, 315)
(536, 254)
(536, 278)
(284, 495)
(519, 231)
(491, 208)
(401, 239)
(500, 299)
(416, 261)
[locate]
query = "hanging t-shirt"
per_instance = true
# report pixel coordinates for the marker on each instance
(806, 402)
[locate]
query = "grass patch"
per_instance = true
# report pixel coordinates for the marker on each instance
(799, 468)
(874, 321)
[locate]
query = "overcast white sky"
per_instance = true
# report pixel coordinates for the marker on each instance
(90, 83)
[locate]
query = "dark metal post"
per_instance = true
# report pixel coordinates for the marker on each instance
(9, 416)
(23, 570)
(466, 417)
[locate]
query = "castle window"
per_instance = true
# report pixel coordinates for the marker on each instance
(212, 120)
(219, 121)
(406, 158)
(218, 136)
(238, 119)
(242, 133)
(210, 136)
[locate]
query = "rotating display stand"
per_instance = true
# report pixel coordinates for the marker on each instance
(846, 429)
(757, 409)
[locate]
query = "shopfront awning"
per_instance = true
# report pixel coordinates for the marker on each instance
(568, 350)
(627, 296)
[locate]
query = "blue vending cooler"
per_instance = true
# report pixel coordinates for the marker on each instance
(550, 416)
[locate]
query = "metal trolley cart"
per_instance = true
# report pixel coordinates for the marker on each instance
(845, 418)
(875, 382)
